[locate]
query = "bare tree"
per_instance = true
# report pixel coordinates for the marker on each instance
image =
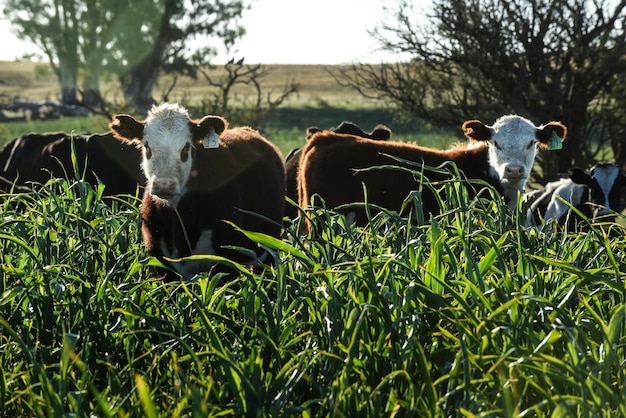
(253, 105)
(482, 58)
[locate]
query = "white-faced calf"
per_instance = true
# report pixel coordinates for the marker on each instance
(201, 174)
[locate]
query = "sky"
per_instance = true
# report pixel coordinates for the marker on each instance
(287, 32)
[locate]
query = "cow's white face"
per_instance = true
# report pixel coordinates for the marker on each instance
(168, 151)
(168, 138)
(512, 150)
(513, 142)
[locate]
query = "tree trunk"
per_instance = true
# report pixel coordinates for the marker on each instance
(91, 80)
(68, 76)
(143, 76)
(138, 92)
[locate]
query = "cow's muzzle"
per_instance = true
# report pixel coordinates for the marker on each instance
(514, 172)
(163, 188)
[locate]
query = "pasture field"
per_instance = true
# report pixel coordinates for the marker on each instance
(320, 101)
(468, 314)
(316, 85)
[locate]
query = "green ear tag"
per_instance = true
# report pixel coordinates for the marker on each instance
(554, 142)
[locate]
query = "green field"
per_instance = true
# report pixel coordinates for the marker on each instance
(467, 314)
(470, 313)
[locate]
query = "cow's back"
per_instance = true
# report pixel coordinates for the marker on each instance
(22, 158)
(98, 158)
(328, 168)
(330, 164)
(292, 161)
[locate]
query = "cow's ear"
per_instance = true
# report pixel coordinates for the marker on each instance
(550, 132)
(381, 133)
(475, 130)
(578, 176)
(210, 124)
(126, 128)
(312, 130)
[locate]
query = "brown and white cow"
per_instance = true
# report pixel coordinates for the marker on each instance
(292, 161)
(200, 175)
(501, 154)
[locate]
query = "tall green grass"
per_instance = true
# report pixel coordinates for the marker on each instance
(466, 314)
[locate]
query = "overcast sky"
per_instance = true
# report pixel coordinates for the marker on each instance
(288, 32)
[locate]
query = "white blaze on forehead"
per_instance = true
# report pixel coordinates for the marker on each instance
(166, 133)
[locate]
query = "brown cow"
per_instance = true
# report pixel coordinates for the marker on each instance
(201, 174)
(292, 161)
(502, 155)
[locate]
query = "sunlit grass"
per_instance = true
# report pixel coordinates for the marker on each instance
(467, 313)
(286, 127)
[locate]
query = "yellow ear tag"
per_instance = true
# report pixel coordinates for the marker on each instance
(211, 140)
(555, 142)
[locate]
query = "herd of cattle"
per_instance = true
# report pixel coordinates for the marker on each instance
(200, 178)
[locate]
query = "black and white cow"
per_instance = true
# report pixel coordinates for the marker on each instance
(199, 175)
(595, 194)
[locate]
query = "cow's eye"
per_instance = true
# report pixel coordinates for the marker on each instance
(495, 144)
(184, 153)
(532, 144)
(146, 147)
